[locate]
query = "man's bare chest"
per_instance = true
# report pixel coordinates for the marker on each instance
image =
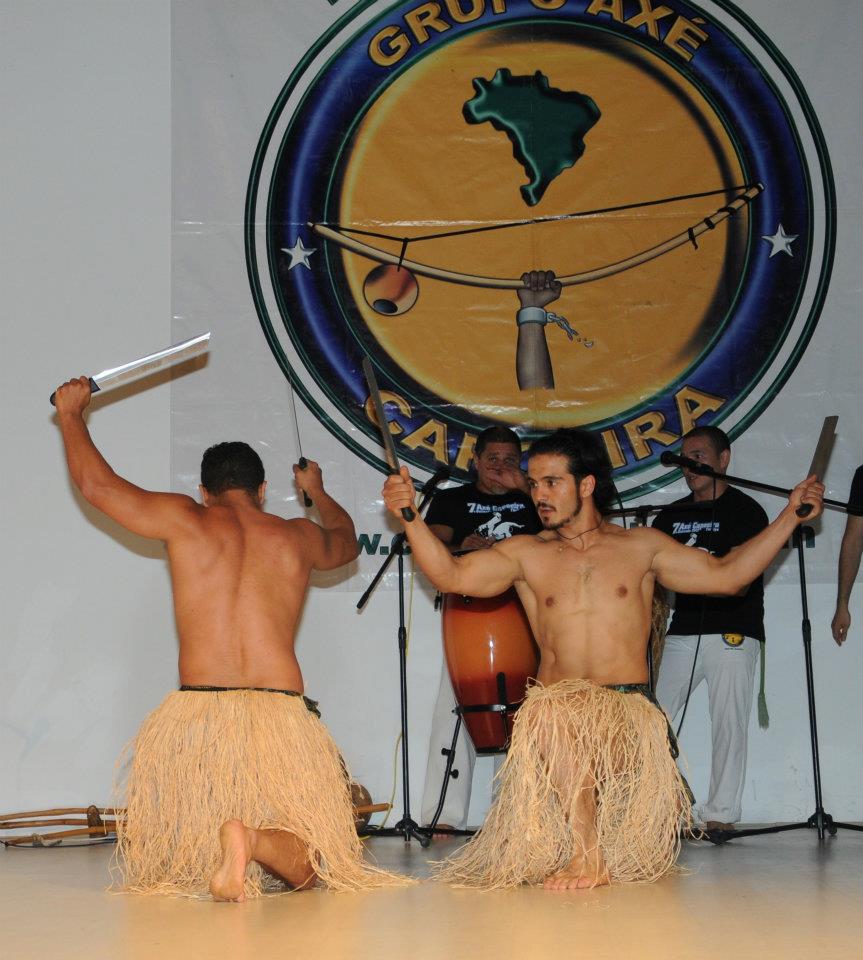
(560, 575)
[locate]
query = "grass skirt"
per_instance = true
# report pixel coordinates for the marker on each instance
(577, 733)
(200, 759)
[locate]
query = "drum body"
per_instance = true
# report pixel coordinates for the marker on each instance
(490, 653)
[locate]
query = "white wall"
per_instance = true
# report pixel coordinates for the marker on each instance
(86, 629)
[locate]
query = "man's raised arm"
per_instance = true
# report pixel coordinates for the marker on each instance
(334, 542)
(155, 515)
(482, 573)
(688, 570)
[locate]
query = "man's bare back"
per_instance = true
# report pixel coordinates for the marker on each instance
(239, 574)
(239, 579)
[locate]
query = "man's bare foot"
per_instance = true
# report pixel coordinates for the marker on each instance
(227, 882)
(579, 874)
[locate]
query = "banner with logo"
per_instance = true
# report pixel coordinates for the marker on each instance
(616, 214)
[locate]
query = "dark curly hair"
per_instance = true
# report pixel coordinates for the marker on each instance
(587, 456)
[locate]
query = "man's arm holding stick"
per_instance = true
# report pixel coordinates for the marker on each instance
(687, 570)
(333, 542)
(154, 515)
(481, 573)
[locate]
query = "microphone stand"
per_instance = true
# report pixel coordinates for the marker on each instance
(407, 827)
(642, 511)
(820, 820)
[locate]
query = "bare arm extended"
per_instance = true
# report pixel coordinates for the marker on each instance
(687, 570)
(482, 573)
(849, 564)
(334, 542)
(156, 515)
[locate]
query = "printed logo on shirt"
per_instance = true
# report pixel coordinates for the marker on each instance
(515, 507)
(499, 529)
(694, 527)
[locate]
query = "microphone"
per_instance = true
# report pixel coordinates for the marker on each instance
(668, 459)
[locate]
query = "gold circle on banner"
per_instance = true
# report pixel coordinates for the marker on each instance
(415, 166)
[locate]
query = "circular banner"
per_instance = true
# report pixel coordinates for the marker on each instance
(657, 167)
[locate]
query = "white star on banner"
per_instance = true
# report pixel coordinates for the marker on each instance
(300, 254)
(781, 241)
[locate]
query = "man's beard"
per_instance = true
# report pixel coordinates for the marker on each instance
(551, 525)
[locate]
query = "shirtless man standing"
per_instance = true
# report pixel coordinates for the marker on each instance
(234, 779)
(589, 792)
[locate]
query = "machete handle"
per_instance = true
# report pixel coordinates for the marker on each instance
(94, 388)
(804, 510)
(302, 463)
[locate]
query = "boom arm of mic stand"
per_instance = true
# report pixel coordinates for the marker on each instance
(640, 511)
(398, 540)
(705, 471)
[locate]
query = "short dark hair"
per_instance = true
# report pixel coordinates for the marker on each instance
(233, 465)
(587, 456)
(718, 439)
(496, 435)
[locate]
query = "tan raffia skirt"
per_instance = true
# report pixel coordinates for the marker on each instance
(202, 758)
(575, 732)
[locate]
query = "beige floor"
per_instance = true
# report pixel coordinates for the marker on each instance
(768, 897)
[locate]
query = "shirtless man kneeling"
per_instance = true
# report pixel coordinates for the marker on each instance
(235, 784)
(589, 792)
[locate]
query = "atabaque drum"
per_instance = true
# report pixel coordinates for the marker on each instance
(490, 653)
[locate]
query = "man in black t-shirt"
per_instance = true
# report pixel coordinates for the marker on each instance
(715, 517)
(476, 516)
(849, 558)
(494, 507)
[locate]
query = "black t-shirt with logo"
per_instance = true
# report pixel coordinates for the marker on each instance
(731, 519)
(498, 516)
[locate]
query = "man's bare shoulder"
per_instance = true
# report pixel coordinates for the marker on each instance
(287, 524)
(522, 544)
(295, 528)
(182, 501)
(180, 505)
(639, 536)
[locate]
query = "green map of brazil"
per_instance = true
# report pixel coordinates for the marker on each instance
(546, 126)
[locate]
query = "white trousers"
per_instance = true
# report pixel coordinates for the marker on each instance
(457, 803)
(730, 675)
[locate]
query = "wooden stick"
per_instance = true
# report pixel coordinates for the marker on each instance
(10, 821)
(58, 822)
(58, 812)
(108, 827)
(372, 808)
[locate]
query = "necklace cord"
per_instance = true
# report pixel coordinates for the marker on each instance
(582, 534)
